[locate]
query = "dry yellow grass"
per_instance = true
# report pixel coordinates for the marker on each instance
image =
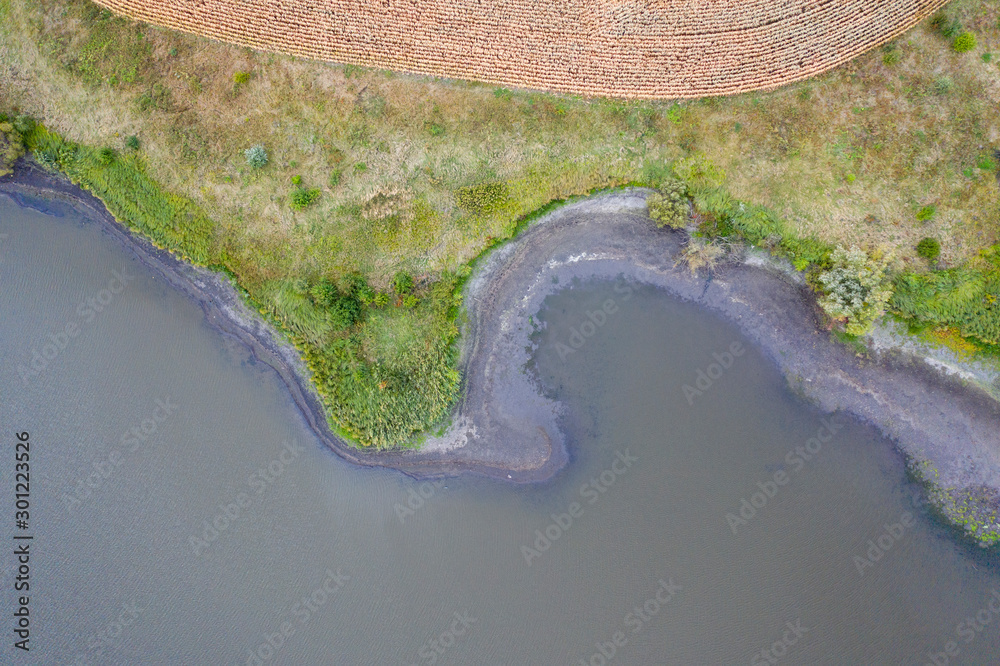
(905, 143)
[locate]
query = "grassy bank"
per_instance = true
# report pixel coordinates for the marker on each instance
(364, 179)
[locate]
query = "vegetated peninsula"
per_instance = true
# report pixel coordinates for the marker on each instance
(350, 205)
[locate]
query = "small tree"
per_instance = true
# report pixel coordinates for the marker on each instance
(669, 206)
(929, 249)
(857, 288)
(402, 283)
(256, 156)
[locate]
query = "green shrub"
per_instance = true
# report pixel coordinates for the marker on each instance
(24, 125)
(132, 142)
(669, 207)
(410, 301)
(334, 179)
(106, 156)
(256, 156)
(926, 213)
(987, 58)
(344, 312)
(483, 199)
(857, 288)
(296, 180)
(402, 283)
(929, 248)
(964, 42)
(241, 78)
(381, 299)
(302, 197)
(943, 85)
(805, 252)
(11, 147)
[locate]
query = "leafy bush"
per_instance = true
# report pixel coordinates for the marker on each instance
(296, 180)
(857, 288)
(344, 312)
(402, 283)
(256, 156)
(411, 301)
(805, 252)
(669, 207)
(303, 197)
(24, 125)
(964, 42)
(11, 147)
(241, 78)
(381, 299)
(132, 142)
(926, 213)
(929, 248)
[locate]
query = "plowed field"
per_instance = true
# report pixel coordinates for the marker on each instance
(630, 48)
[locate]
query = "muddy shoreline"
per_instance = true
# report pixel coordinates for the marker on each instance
(505, 428)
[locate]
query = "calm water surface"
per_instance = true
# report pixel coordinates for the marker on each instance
(183, 513)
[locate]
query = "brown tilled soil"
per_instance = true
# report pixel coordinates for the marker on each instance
(617, 48)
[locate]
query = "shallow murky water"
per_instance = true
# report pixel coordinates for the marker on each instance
(183, 513)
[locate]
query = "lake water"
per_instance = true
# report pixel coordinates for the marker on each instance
(183, 513)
